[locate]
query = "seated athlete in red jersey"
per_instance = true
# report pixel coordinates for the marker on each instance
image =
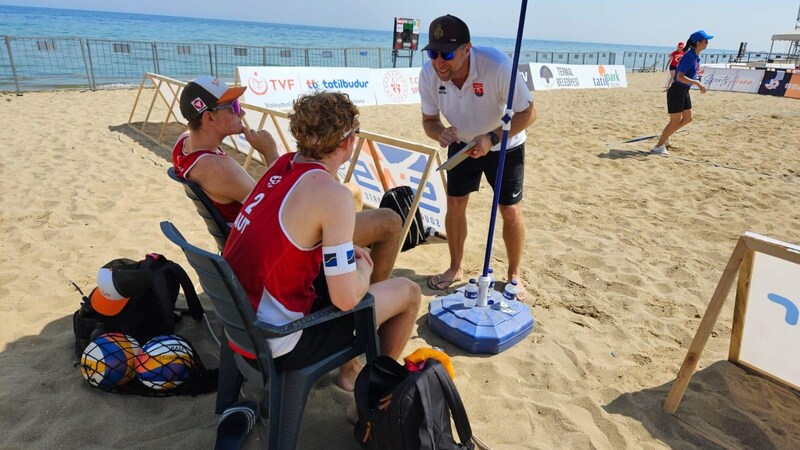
(308, 216)
(213, 113)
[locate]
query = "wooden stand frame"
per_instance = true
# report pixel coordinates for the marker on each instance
(169, 91)
(741, 261)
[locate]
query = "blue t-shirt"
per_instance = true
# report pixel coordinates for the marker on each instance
(688, 65)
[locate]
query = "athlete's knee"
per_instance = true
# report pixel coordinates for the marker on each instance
(413, 294)
(390, 222)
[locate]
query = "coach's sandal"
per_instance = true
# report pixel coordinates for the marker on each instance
(441, 281)
(235, 424)
(522, 293)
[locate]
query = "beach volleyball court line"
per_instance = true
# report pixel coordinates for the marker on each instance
(709, 163)
(704, 124)
(641, 138)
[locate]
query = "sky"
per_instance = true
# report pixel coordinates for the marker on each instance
(639, 22)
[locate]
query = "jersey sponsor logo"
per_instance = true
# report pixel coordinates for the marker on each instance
(199, 105)
(273, 180)
(478, 89)
(442, 90)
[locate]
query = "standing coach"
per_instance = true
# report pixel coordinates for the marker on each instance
(469, 87)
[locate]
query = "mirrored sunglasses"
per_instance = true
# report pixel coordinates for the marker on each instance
(447, 56)
(234, 105)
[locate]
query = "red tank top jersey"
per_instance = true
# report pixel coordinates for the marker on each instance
(183, 164)
(276, 273)
(675, 58)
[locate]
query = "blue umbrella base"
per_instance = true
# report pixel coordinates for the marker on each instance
(487, 329)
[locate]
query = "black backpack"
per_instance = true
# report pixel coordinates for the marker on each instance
(399, 200)
(146, 315)
(401, 410)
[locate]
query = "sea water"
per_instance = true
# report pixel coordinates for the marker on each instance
(26, 21)
(44, 70)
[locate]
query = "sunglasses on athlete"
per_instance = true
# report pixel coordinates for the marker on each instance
(354, 130)
(234, 105)
(447, 56)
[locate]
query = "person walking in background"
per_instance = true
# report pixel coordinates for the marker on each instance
(674, 58)
(469, 86)
(679, 103)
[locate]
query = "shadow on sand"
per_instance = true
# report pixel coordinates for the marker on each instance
(616, 153)
(724, 407)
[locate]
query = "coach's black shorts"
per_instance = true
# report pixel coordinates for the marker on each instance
(466, 177)
(678, 99)
(321, 341)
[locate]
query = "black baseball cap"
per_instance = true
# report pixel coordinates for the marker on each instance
(446, 34)
(204, 93)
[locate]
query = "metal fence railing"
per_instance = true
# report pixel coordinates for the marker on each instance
(60, 62)
(28, 63)
(565, 58)
(655, 62)
(119, 61)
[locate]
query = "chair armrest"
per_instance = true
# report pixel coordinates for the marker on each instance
(316, 318)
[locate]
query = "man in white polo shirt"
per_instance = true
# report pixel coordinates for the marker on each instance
(469, 87)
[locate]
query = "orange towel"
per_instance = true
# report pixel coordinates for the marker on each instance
(423, 354)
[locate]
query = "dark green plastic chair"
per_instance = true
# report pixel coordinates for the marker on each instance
(216, 225)
(287, 392)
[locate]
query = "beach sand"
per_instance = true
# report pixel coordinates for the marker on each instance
(622, 255)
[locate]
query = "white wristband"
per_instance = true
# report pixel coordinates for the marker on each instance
(339, 259)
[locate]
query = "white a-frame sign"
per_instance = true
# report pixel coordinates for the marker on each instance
(766, 329)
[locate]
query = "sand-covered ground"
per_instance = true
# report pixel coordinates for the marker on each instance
(623, 252)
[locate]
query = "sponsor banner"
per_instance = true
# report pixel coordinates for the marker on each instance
(774, 83)
(719, 79)
(771, 328)
(573, 76)
(396, 86)
(524, 71)
(703, 72)
(747, 81)
(277, 87)
(270, 87)
(400, 167)
(793, 87)
(354, 81)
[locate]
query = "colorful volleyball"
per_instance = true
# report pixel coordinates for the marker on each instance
(165, 362)
(110, 360)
